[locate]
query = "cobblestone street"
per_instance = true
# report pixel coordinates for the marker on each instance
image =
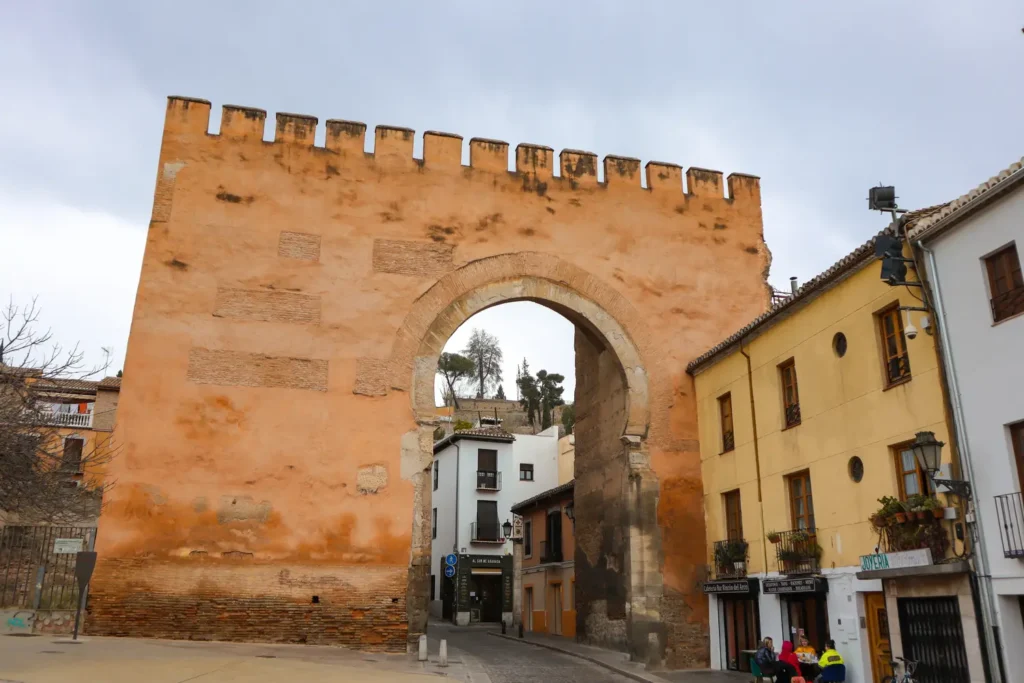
(506, 661)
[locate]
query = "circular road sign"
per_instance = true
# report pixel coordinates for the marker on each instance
(451, 559)
(449, 571)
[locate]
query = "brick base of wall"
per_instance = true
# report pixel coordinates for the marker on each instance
(358, 607)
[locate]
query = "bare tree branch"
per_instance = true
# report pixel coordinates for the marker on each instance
(46, 477)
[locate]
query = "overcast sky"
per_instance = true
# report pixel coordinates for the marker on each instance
(818, 100)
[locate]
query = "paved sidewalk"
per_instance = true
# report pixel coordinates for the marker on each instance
(620, 663)
(46, 659)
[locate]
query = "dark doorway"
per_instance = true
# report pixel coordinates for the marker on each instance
(485, 597)
(739, 622)
(806, 613)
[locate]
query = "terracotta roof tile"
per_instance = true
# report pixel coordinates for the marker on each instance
(550, 493)
(1012, 172)
(856, 259)
(486, 434)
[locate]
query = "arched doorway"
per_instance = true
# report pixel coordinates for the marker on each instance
(618, 539)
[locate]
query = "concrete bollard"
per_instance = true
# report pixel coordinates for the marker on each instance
(423, 649)
(442, 655)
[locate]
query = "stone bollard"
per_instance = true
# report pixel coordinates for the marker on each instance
(654, 662)
(423, 648)
(520, 629)
(442, 655)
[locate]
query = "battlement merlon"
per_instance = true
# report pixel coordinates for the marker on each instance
(187, 116)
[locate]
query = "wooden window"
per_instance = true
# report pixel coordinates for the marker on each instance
(528, 538)
(733, 516)
(72, 460)
(894, 346)
(1017, 437)
(525, 472)
(433, 524)
(912, 479)
(436, 466)
(487, 526)
(801, 504)
(1006, 285)
(790, 393)
(725, 414)
(486, 460)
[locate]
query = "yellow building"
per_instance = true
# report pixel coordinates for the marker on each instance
(805, 417)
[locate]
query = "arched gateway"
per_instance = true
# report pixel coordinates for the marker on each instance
(277, 407)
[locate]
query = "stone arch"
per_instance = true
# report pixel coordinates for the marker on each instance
(621, 549)
(527, 276)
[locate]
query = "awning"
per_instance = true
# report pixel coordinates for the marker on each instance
(476, 571)
(804, 584)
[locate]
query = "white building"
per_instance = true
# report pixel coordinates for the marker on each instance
(971, 252)
(478, 475)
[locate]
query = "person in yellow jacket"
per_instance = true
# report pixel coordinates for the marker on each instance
(830, 656)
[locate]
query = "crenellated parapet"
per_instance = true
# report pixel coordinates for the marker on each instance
(578, 169)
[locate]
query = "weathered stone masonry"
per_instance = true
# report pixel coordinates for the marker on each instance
(277, 407)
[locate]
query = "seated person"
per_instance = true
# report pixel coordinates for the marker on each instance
(830, 659)
(770, 665)
(807, 658)
(805, 648)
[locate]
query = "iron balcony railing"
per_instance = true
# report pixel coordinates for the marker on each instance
(730, 559)
(485, 533)
(550, 552)
(899, 368)
(1007, 304)
(798, 552)
(1010, 513)
(488, 481)
(793, 415)
(728, 441)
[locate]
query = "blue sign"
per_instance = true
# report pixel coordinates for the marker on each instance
(451, 559)
(449, 571)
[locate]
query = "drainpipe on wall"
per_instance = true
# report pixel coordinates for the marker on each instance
(988, 623)
(757, 453)
(455, 543)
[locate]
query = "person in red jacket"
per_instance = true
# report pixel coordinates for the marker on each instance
(789, 656)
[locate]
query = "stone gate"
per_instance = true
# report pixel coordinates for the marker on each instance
(277, 405)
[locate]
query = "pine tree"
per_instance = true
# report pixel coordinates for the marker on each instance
(501, 393)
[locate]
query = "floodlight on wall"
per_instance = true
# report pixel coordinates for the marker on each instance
(882, 198)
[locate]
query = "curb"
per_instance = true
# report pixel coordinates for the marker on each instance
(636, 676)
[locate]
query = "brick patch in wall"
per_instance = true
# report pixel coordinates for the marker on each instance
(405, 257)
(270, 603)
(267, 306)
(242, 369)
(371, 377)
(165, 190)
(299, 245)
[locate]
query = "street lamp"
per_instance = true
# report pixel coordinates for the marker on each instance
(928, 452)
(507, 528)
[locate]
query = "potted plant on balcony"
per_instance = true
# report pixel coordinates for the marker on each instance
(886, 514)
(734, 554)
(774, 536)
(799, 537)
(932, 506)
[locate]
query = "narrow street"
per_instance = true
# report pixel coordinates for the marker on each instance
(506, 661)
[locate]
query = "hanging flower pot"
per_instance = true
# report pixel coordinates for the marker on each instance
(774, 537)
(938, 513)
(901, 517)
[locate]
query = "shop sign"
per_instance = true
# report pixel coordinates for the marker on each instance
(900, 560)
(67, 546)
(485, 560)
(741, 586)
(810, 584)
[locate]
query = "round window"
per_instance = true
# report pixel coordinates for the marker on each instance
(839, 344)
(856, 467)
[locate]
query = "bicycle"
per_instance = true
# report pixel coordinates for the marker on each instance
(909, 668)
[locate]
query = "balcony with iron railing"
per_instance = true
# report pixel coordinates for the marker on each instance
(485, 533)
(730, 559)
(1010, 514)
(797, 551)
(898, 369)
(792, 415)
(1008, 304)
(550, 552)
(488, 481)
(728, 441)
(57, 419)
